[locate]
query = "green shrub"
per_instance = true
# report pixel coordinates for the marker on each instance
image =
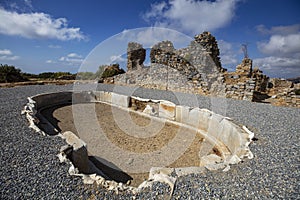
(53, 75)
(85, 76)
(10, 74)
(297, 91)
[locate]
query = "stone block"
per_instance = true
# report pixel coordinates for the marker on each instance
(182, 114)
(204, 119)
(120, 100)
(97, 95)
(214, 125)
(209, 160)
(194, 117)
(105, 97)
(167, 110)
(230, 135)
(44, 100)
(82, 97)
(79, 154)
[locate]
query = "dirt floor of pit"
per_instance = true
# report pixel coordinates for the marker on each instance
(62, 118)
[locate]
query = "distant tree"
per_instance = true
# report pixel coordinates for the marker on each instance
(104, 71)
(29, 76)
(85, 76)
(10, 74)
(55, 75)
(100, 71)
(46, 75)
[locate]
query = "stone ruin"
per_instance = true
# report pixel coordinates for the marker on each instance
(210, 44)
(197, 69)
(136, 56)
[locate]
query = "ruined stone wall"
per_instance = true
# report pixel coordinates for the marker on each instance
(209, 43)
(261, 80)
(161, 77)
(197, 69)
(241, 90)
(245, 81)
(240, 84)
(194, 62)
(164, 53)
(136, 55)
(284, 93)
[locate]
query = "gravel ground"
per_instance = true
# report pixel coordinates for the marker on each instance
(31, 170)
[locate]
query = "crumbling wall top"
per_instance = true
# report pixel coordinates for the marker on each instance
(209, 43)
(136, 56)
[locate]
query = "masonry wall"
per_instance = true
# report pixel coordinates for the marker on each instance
(197, 69)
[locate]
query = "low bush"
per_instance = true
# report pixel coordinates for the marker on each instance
(9, 74)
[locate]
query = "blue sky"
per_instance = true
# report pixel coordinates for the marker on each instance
(38, 36)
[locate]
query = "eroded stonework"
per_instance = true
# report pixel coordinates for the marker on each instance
(197, 69)
(136, 55)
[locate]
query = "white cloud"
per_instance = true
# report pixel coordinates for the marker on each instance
(74, 55)
(117, 59)
(282, 30)
(227, 54)
(50, 61)
(37, 25)
(71, 59)
(28, 3)
(54, 46)
(270, 62)
(9, 58)
(5, 52)
(282, 50)
(7, 55)
(192, 16)
(281, 45)
(20, 5)
(156, 10)
(279, 66)
(152, 35)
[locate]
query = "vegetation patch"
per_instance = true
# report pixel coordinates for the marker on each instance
(10, 74)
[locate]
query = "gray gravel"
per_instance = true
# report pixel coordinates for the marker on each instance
(30, 169)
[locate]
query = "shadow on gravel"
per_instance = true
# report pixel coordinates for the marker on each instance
(260, 97)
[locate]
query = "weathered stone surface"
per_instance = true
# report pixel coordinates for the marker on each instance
(209, 42)
(190, 69)
(204, 119)
(136, 55)
(149, 110)
(79, 154)
(210, 160)
(167, 110)
(197, 69)
(103, 96)
(182, 113)
(120, 100)
(81, 97)
(245, 68)
(194, 117)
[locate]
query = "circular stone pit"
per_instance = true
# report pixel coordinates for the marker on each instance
(215, 141)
